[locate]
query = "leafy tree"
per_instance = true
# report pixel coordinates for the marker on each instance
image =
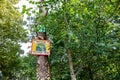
(85, 35)
(11, 34)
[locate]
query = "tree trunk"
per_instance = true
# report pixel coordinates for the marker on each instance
(43, 69)
(73, 76)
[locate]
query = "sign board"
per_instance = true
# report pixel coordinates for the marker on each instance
(40, 47)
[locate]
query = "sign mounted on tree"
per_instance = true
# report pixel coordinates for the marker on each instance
(40, 47)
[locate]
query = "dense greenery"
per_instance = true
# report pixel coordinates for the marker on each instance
(90, 30)
(84, 35)
(11, 34)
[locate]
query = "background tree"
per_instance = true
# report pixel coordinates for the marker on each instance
(11, 34)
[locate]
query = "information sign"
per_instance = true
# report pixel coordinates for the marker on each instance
(40, 47)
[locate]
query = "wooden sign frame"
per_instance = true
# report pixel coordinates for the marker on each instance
(40, 47)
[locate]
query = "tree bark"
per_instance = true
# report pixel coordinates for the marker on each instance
(43, 68)
(73, 76)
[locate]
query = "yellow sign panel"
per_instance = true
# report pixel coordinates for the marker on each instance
(40, 47)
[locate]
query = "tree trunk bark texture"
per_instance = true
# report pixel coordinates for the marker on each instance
(73, 76)
(43, 68)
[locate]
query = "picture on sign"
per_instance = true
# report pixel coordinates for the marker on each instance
(40, 47)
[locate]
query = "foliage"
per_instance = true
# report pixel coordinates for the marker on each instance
(11, 34)
(90, 30)
(27, 68)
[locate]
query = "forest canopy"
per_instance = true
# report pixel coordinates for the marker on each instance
(84, 35)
